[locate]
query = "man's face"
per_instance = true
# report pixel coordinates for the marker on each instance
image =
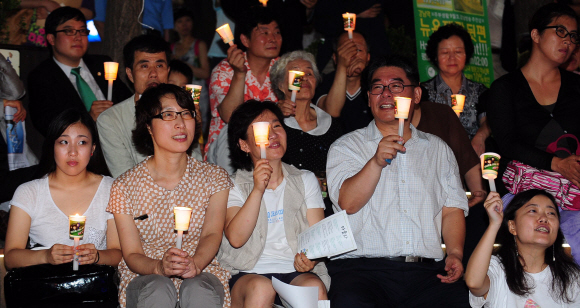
(264, 42)
(69, 49)
(149, 70)
(383, 105)
(361, 58)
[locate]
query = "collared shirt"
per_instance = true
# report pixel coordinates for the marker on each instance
(323, 122)
(221, 79)
(85, 74)
(440, 92)
(404, 215)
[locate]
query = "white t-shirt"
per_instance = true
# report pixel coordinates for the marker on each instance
(277, 256)
(49, 225)
(499, 294)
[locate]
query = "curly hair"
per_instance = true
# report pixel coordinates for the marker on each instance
(148, 106)
(278, 72)
(444, 33)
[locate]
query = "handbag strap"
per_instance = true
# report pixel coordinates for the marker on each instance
(552, 149)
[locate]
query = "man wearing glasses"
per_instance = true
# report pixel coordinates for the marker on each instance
(70, 78)
(402, 194)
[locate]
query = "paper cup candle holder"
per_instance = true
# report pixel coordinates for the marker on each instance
(111, 69)
(195, 92)
(76, 227)
(457, 103)
(226, 34)
(261, 135)
(294, 83)
(489, 167)
(182, 217)
(402, 106)
(349, 20)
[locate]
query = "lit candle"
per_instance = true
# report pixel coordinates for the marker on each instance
(294, 83)
(195, 92)
(349, 20)
(264, 2)
(226, 34)
(457, 103)
(489, 167)
(261, 135)
(182, 217)
(111, 69)
(76, 226)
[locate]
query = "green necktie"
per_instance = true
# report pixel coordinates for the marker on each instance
(85, 91)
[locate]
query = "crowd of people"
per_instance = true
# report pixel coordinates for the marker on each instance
(125, 163)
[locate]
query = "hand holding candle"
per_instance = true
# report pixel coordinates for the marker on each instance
(402, 106)
(182, 217)
(349, 20)
(76, 225)
(489, 167)
(294, 83)
(261, 135)
(111, 69)
(457, 103)
(226, 34)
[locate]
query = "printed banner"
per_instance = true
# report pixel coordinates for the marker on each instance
(472, 15)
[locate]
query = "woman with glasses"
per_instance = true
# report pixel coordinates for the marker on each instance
(533, 111)
(449, 49)
(153, 270)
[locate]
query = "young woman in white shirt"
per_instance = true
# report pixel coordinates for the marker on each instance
(530, 269)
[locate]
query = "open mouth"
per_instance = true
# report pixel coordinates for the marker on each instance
(542, 229)
(387, 106)
(274, 145)
(180, 137)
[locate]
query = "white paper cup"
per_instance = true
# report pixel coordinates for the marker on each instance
(402, 106)
(195, 92)
(225, 33)
(489, 165)
(295, 80)
(182, 217)
(457, 102)
(261, 132)
(349, 21)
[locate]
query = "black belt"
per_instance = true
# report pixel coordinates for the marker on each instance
(410, 259)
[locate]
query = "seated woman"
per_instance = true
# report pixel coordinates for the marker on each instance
(270, 204)
(310, 130)
(449, 49)
(71, 184)
(153, 271)
(530, 269)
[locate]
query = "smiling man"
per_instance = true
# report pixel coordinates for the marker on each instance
(401, 199)
(70, 78)
(145, 59)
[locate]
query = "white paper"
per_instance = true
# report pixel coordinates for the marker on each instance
(329, 237)
(298, 297)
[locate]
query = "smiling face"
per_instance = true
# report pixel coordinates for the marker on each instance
(308, 80)
(536, 222)
(264, 42)
(553, 47)
(73, 150)
(149, 70)
(277, 138)
(171, 136)
(69, 49)
(451, 55)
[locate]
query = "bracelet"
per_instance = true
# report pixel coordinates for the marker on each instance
(98, 258)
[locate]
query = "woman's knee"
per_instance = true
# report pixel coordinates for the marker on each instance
(204, 290)
(311, 280)
(254, 291)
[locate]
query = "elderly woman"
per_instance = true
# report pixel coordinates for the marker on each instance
(310, 130)
(449, 49)
(270, 205)
(153, 270)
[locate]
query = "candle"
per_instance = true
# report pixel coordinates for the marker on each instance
(76, 226)
(264, 2)
(182, 217)
(195, 92)
(294, 83)
(489, 167)
(226, 34)
(261, 135)
(111, 69)
(457, 103)
(349, 20)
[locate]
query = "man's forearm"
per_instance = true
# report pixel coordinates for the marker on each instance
(234, 98)
(356, 191)
(453, 231)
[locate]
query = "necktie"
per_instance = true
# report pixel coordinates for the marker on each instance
(85, 91)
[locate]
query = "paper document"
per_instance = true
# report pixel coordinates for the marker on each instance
(329, 237)
(298, 297)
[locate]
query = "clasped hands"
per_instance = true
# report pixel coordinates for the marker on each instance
(59, 254)
(177, 263)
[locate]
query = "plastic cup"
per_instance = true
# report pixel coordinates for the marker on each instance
(349, 20)
(489, 165)
(182, 217)
(76, 226)
(295, 80)
(402, 106)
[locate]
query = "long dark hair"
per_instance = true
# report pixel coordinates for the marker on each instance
(56, 128)
(565, 272)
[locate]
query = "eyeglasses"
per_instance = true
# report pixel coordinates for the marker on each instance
(395, 87)
(73, 32)
(562, 32)
(172, 115)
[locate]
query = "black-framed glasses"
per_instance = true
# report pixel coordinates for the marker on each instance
(395, 87)
(73, 32)
(172, 115)
(562, 32)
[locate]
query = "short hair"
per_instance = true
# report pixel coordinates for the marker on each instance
(148, 106)
(56, 128)
(178, 66)
(443, 33)
(240, 120)
(60, 16)
(396, 61)
(278, 71)
(254, 16)
(548, 13)
(144, 43)
(183, 12)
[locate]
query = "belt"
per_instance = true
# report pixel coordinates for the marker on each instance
(410, 259)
